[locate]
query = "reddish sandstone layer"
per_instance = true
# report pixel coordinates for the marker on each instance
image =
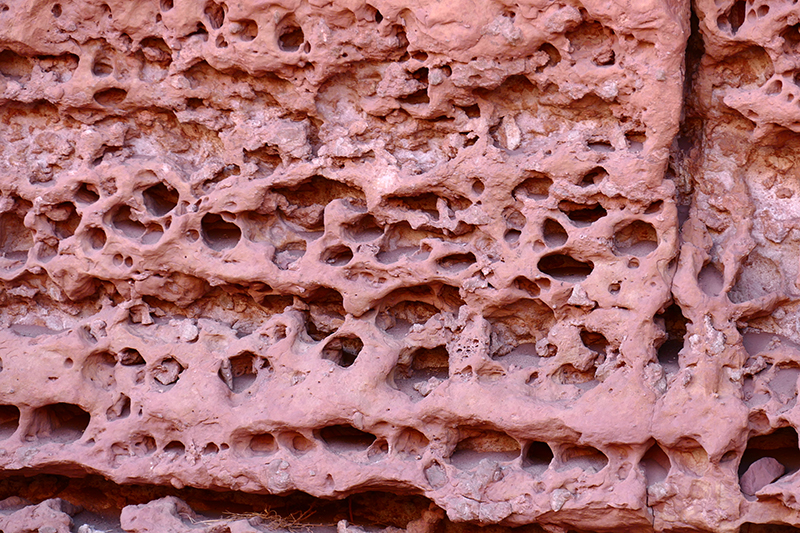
(409, 247)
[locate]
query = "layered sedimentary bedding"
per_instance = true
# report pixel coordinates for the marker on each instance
(532, 261)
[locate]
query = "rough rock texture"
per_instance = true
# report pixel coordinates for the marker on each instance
(503, 255)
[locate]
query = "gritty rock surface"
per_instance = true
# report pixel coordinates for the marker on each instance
(503, 255)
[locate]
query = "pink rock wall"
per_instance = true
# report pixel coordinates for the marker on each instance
(503, 255)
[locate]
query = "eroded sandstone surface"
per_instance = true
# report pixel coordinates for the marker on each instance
(534, 261)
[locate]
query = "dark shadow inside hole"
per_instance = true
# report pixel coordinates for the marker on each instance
(582, 379)
(9, 420)
(15, 238)
(538, 457)
(131, 357)
(248, 30)
(291, 38)
(304, 203)
(530, 287)
(86, 194)
(102, 67)
(472, 111)
(326, 312)
(600, 146)
(398, 318)
(365, 229)
(425, 202)
(675, 326)
(553, 56)
(160, 199)
(337, 256)
(554, 233)
(417, 98)
(750, 527)
(781, 446)
(565, 268)
(122, 221)
(200, 31)
(595, 341)
(343, 350)
(215, 14)
(175, 447)
(346, 439)
(167, 372)
(121, 409)
(655, 464)
(636, 140)
(219, 234)
(68, 220)
(289, 254)
(582, 214)
(60, 422)
(457, 262)
(593, 177)
(96, 238)
(734, 18)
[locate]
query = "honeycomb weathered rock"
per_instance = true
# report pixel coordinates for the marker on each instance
(451, 250)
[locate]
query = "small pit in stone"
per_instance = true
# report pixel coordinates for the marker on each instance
(655, 464)
(422, 371)
(536, 188)
(122, 220)
(9, 420)
(767, 458)
(130, 357)
(160, 199)
(345, 439)
(711, 280)
(593, 177)
(61, 422)
(219, 234)
(411, 441)
(86, 194)
(15, 238)
(537, 459)
(477, 445)
(636, 238)
(289, 254)
(291, 37)
(98, 369)
(110, 97)
(365, 229)
(554, 233)
(215, 14)
(167, 372)
(262, 444)
(343, 350)
(582, 215)
(674, 324)
(563, 267)
(240, 372)
(583, 457)
(457, 262)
